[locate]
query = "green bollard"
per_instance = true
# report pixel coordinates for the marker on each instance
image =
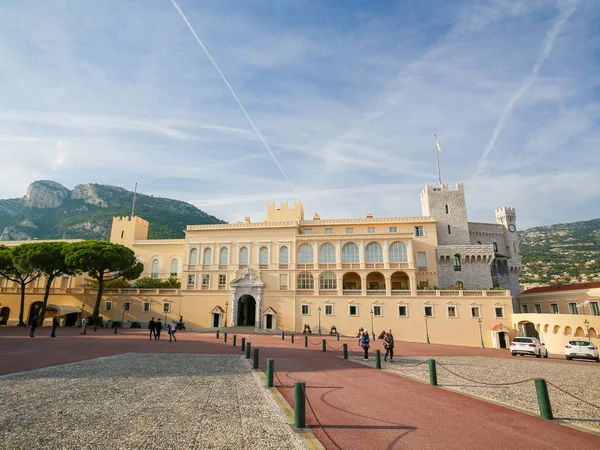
(248, 348)
(345, 351)
(234, 339)
(432, 373)
(283, 336)
(270, 369)
(115, 330)
(541, 388)
(305, 340)
(337, 336)
(243, 344)
(299, 405)
(255, 361)
(225, 337)
(95, 327)
(378, 359)
(292, 338)
(324, 344)
(217, 334)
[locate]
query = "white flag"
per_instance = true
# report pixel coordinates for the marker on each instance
(437, 146)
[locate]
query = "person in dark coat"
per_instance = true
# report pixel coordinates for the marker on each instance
(34, 324)
(151, 327)
(180, 324)
(388, 343)
(55, 324)
(365, 342)
(157, 329)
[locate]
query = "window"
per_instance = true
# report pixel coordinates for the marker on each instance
(553, 308)
(419, 232)
(222, 280)
(350, 253)
(193, 257)
(191, 280)
(284, 255)
(108, 306)
(329, 310)
(475, 312)
(306, 281)
(537, 308)
(449, 230)
(327, 254)
(459, 285)
(451, 311)
(263, 256)
(146, 307)
(244, 256)
(155, 269)
(127, 306)
(166, 307)
(397, 253)
(370, 229)
(174, 267)
(428, 311)
(447, 210)
(208, 256)
(349, 230)
(594, 310)
(422, 260)
(402, 311)
(495, 247)
(478, 242)
(205, 280)
(224, 256)
(457, 266)
(373, 253)
(393, 229)
(304, 309)
(499, 311)
(283, 281)
(307, 231)
(328, 230)
(327, 281)
(122, 234)
(353, 310)
(524, 309)
(573, 308)
(305, 254)
(377, 310)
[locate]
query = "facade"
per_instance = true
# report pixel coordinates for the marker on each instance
(286, 271)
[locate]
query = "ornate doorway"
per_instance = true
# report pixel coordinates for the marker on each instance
(247, 291)
(246, 311)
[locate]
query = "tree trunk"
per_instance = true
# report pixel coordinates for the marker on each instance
(21, 313)
(42, 313)
(96, 312)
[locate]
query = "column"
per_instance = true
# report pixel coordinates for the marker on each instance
(411, 256)
(259, 309)
(340, 283)
(413, 286)
(363, 284)
(315, 246)
(388, 286)
(386, 256)
(361, 253)
(233, 310)
(338, 254)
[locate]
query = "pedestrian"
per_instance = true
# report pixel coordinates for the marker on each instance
(157, 329)
(55, 324)
(152, 328)
(364, 342)
(388, 343)
(34, 324)
(172, 331)
(180, 324)
(84, 324)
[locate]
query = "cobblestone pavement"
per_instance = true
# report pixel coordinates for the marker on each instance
(143, 401)
(579, 380)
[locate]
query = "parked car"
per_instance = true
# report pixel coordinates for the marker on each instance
(581, 349)
(528, 346)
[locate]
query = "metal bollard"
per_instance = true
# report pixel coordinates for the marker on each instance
(225, 337)
(292, 338)
(243, 344)
(345, 351)
(324, 344)
(217, 334)
(255, 360)
(283, 336)
(248, 349)
(305, 340)
(299, 405)
(378, 359)
(234, 339)
(270, 368)
(115, 330)
(337, 336)
(541, 388)
(432, 373)
(95, 327)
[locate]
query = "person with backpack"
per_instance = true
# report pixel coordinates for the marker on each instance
(388, 343)
(172, 331)
(151, 327)
(365, 342)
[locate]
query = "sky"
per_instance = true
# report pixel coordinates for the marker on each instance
(344, 98)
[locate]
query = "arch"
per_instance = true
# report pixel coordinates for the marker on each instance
(246, 311)
(457, 263)
(327, 280)
(305, 254)
(34, 311)
(459, 285)
(398, 253)
(174, 267)
(400, 280)
(528, 329)
(306, 281)
(351, 280)
(373, 253)
(593, 333)
(155, 268)
(193, 257)
(556, 329)
(375, 280)
(327, 253)
(284, 255)
(546, 328)
(263, 256)
(350, 253)
(4, 315)
(579, 332)
(568, 331)
(224, 256)
(207, 256)
(243, 256)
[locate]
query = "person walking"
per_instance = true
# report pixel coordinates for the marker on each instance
(388, 343)
(55, 324)
(34, 324)
(84, 324)
(157, 329)
(180, 324)
(364, 342)
(152, 328)
(172, 331)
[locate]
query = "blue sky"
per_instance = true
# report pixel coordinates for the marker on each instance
(348, 94)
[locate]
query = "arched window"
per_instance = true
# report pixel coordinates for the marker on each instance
(284, 255)
(263, 256)
(327, 280)
(459, 285)
(350, 253)
(373, 253)
(193, 257)
(305, 254)
(244, 256)
(155, 268)
(208, 257)
(174, 267)
(306, 281)
(495, 247)
(224, 256)
(327, 254)
(398, 253)
(457, 265)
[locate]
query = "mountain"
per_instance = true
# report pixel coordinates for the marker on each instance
(51, 211)
(566, 252)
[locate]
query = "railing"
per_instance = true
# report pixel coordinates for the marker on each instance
(283, 266)
(374, 265)
(401, 292)
(328, 291)
(376, 292)
(352, 292)
(327, 266)
(263, 266)
(350, 265)
(305, 266)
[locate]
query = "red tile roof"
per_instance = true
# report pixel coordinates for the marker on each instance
(562, 287)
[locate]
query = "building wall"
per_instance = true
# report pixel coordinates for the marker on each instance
(562, 299)
(449, 208)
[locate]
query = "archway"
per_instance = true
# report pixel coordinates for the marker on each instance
(351, 281)
(4, 315)
(529, 329)
(246, 316)
(400, 280)
(34, 311)
(375, 281)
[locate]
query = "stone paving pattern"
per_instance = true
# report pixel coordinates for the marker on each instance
(143, 401)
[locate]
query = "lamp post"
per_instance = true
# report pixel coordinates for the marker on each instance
(166, 307)
(226, 308)
(427, 331)
(480, 332)
(319, 309)
(372, 325)
(123, 315)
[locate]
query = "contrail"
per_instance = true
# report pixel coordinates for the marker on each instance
(233, 93)
(547, 45)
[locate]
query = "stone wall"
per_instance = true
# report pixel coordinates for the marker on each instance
(434, 201)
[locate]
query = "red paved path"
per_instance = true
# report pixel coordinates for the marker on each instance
(358, 406)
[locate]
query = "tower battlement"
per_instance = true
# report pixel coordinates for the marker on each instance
(127, 229)
(505, 211)
(284, 213)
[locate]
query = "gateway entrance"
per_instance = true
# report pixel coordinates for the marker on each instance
(246, 316)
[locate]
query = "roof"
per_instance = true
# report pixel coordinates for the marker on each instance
(562, 287)
(499, 327)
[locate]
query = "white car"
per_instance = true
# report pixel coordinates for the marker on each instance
(528, 346)
(581, 349)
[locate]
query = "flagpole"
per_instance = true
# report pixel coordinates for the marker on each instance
(437, 157)
(133, 206)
